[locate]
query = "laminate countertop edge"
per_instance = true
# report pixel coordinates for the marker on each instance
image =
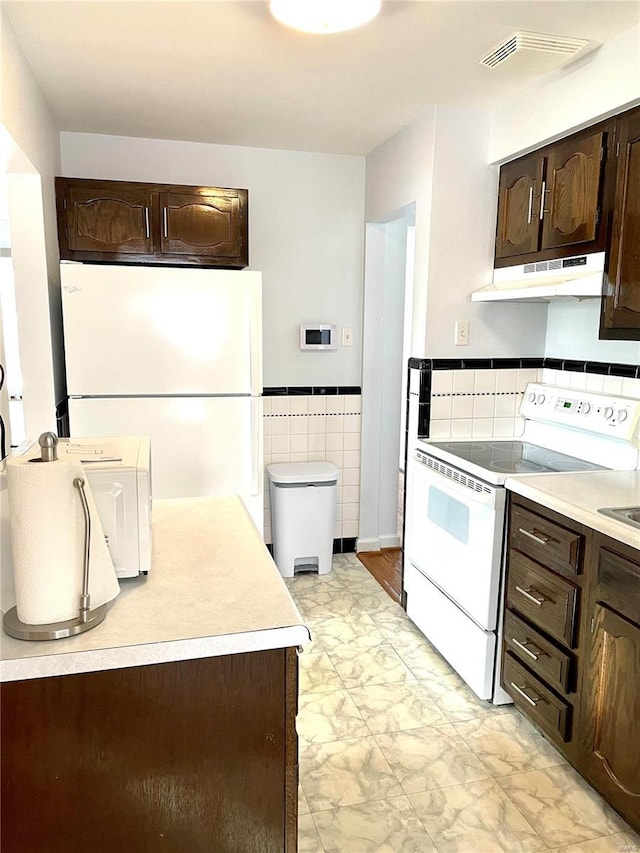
(213, 590)
(580, 495)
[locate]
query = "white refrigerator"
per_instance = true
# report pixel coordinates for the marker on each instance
(174, 354)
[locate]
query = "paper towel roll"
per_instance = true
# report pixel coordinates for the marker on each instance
(47, 541)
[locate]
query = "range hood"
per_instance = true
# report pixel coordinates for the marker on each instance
(579, 277)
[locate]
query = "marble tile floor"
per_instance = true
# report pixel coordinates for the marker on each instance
(396, 754)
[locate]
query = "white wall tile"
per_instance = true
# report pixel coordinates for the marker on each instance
(266, 405)
(299, 425)
(351, 476)
(440, 429)
(280, 457)
(299, 457)
(484, 381)
(482, 427)
(337, 530)
(518, 426)
(503, 427)
(595, 382)
(267, 424)
(351, 458)
(353, 404)
(527, 374)
(317, 424)
(266, 443)
(442, 381)
(350, 494)
(317, 441)
(612, 385)
(440, 408)
(463, 381)
(299, 405)
(352, 423)
(317, 405)
(631, 388)
(462, 428)
(280, 405)
(505, 406)
(462, 407)
(578, 380)
(350, 529)
(335, 404)
(335, 441)
(279, 426)
(507, 380)
(350, 512)
(279, 444)
(298, 443)
(336, 457)
(352, 441)
(335, 423)
(316, 455)
(483, 406)
(549, 375)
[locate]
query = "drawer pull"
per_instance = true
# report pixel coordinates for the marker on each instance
(528, 594)
(532, 700)
(523, 648)
(541, 539)
(147, 230)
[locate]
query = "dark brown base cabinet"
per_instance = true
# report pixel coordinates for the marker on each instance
(197, 756)
(163, 224)
(571, 647)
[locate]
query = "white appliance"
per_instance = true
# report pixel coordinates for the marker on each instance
(578, 277)
(119, 474)
(456, 516)
(174, 354)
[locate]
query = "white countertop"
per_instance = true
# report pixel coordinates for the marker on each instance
(580, 495)
(213, 590)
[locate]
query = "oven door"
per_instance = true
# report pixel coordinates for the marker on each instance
(455, 536)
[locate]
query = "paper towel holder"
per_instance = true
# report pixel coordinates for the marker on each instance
(86, 617)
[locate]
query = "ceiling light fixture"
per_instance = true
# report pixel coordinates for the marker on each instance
(324, 16)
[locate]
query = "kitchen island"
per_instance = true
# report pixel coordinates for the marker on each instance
(170, 726)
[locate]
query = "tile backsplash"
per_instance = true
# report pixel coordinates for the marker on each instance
(476, 398)
(317, 427)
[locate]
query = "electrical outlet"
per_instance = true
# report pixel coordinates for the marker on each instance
(462, 333)
(347, 337)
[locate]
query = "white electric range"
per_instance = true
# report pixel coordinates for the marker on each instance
(454, 535)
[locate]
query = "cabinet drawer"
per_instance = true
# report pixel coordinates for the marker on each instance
(547, 542)
(546, 660)
(538, 702)
(544, 598)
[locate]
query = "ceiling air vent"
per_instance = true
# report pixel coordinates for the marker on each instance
(533, 53)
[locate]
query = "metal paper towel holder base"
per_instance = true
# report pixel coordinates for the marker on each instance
(86, 617)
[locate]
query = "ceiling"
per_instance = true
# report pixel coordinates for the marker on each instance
(224, 71)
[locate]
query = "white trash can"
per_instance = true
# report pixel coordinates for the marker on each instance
(303, 512)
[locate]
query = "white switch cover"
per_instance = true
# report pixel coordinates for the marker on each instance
(347, 337)
(462, 333)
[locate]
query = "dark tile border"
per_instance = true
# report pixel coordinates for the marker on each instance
(606, 368)
(346, 545)
(310, 390)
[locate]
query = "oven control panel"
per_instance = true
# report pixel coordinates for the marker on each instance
(603, 414)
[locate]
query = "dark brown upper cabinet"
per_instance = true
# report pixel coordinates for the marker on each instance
(549, 202)
(620, 318)
(124, 222)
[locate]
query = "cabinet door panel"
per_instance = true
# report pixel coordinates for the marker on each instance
(621, 308)
(518, 207)
(101, 221)
(200, 224)
(570, 212)
(612, 700)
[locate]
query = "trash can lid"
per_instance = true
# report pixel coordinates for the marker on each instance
(302, 472)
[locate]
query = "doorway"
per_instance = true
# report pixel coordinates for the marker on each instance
(389, 254)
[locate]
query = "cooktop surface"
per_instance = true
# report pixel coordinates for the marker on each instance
(513, 457)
